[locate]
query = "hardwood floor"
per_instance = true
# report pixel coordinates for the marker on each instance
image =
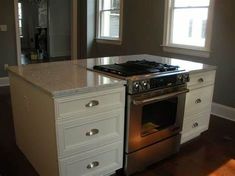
(12, 161)
(211, 154)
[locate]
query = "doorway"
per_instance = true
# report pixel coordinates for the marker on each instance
(46, 30)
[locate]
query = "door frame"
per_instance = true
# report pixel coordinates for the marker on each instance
(17, 33)
(74, 29)
(74, 32)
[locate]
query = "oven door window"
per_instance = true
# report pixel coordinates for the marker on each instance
(158, 116)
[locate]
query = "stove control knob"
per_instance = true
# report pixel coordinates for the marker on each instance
(186, 77)
(136, 86)
(145, 85)
(179, 77)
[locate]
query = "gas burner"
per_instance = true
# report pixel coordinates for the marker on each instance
(158, 67)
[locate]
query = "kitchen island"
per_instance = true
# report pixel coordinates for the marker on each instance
(69, 120)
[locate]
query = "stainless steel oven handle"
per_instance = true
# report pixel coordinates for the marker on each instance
(159, 98)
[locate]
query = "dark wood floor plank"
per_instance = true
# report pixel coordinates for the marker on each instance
(212, 152)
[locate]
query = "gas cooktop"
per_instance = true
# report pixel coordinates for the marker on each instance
(159, 75)
(139, 67)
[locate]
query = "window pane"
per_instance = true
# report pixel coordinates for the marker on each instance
(20, 31)
(110, 23)
(19, 10)
(110, 4)
(189, 26)
(20, 23)
(116, 4)
(186, 3)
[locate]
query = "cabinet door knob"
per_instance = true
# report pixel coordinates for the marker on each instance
(198, 101)
(92, 132)
(92, 103)
(200, 80)
(195, 125)
(93, 165)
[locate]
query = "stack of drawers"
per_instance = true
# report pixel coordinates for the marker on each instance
(198, 104)
(90, 133)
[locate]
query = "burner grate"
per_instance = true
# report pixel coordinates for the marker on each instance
(139, 67)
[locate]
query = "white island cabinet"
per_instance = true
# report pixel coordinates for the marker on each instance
(198, 104)
(68, 133)
(90, 132)
(69, 120)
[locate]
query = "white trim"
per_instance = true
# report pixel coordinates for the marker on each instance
(109, 40)
(168, 46)
(18, 44)
(4, 81)
(186, 51)
(223, 111)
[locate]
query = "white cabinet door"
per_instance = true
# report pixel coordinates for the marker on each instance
(195, 125)
(198, 100)
(99, 162)
(90, 132)
(201, 79)
(90, 103)
(198, 104)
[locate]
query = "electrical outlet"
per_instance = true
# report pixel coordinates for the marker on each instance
(3, 28)
(5, 66)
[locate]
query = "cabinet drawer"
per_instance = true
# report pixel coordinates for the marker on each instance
(198, 124)
(198, 100)
(82, 134)
(90, 102)
(201, 79)
(102, 161)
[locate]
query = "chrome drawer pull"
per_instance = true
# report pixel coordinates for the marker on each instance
(195, 125)
(201, 80)
(93, 165)
(92, 103)
(198, 101)
(92, 132)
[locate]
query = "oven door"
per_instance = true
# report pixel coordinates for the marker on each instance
(154, 116)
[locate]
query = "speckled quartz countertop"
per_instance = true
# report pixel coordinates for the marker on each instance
(64, 78)
(77, 76)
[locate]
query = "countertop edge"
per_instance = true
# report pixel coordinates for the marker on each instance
(28, 81)
(70, 92)
(210, 68)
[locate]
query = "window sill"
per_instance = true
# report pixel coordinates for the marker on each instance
(109, 41)
(186, 51)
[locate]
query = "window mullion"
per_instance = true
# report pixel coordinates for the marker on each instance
(101, 23)
(109, 10)
(191, 7)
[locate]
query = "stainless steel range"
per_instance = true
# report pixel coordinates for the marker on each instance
(154, 114)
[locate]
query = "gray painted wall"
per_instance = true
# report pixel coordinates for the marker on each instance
(7, 39)
(143, 33)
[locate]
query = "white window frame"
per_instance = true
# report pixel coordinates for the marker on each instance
(186, 49)
(108, 40)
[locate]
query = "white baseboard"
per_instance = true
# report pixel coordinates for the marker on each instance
(225, 112)
(4, 81)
